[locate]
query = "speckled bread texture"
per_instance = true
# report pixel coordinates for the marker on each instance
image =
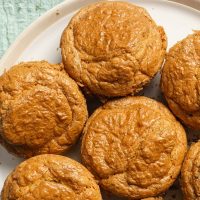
(113, 48)
(41, 109)
(190, 174)
(181, 80)
(50, 177)
(134, 146)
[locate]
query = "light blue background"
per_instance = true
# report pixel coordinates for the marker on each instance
(16, 15)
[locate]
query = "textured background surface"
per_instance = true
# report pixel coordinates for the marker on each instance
(16, 15)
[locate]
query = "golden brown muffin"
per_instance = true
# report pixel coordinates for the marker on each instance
(50, 177)
(41, 109)
(113, 48)
(190, 173)
(180, 81)
(134, 146)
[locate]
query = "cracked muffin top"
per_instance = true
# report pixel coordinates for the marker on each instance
(190, 174)
(50, 177)
(180, 81)
(134, 146)
(113, 48)
(41, 109)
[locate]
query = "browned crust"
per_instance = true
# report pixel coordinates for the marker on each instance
(50, 177)
(190, 173)
(153, 198)
(41, 109)
(106, 52)
(122, 147)
(180, 80)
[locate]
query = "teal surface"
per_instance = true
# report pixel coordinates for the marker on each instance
(16, 15)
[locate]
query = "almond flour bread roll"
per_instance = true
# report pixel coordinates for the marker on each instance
(50, 177)
(113, 48)
(180, 81)
(134, 146)
(41, 109)
(190, 174)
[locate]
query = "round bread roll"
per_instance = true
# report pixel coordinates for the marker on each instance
(41, 109)
(190, 174)
(113, 48)
(134, 146)
(180, 81)
(50, 177)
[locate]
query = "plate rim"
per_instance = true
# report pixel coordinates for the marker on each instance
(54, 12)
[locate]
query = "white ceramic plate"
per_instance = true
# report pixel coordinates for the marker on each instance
(41, 41)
